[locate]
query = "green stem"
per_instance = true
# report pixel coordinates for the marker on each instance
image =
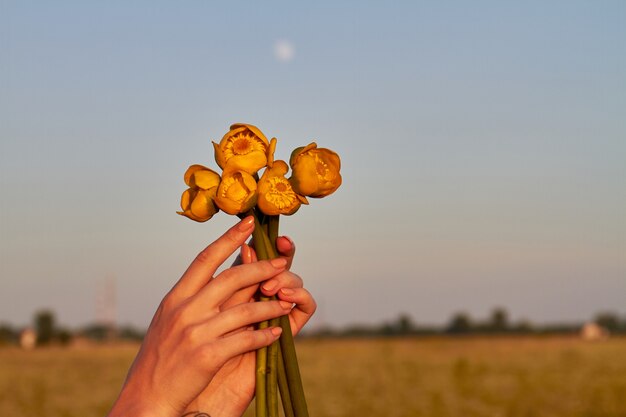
(261, 399)
(287, 347)
(264, 241)
(261, 370)
(272, 230)
(296, 391)
(259, 237)
(283, 386)
(272, 375)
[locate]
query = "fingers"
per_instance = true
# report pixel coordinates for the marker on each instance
(226, 284)
(286, 248)
(285, 279)
(304, 309)
(244, 315)
(241, 342)
(253, 257)
(246, 256)
(271, 286)
(206, 263)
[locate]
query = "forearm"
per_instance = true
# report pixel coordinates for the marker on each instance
(123, 409)
(132, 402)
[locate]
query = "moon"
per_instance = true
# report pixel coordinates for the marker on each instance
(284, 50)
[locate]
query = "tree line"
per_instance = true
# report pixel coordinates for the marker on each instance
(461, 323)
(49, 332)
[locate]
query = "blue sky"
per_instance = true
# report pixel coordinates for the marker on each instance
(483, 151)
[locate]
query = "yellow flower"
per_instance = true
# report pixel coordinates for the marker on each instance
(237, 192)
(315, 171)
(276, 196)
(197, 201)
(244, 148)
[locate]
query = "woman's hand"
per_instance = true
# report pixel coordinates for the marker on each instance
(198, 328)
(232, 389)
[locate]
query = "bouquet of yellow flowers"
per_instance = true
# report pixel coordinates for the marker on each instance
(241, 154)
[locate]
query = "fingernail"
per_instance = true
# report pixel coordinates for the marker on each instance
(245, 254)
(290, 241)
(279, 263)
(246, 224)
(287, 291)
(270, 285)
(286, 305)
(276, 331)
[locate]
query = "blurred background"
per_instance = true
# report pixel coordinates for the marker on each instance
(483, 151)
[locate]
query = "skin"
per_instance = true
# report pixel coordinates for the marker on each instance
(198, 354)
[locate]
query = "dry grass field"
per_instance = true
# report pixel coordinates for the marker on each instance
(516, 377)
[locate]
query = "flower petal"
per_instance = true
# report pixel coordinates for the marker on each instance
(203, 206)
(190, 171)
(257, 132)
(186, 198)
(205, 179)
(270, 152)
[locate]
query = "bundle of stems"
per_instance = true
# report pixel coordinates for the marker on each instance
(276, 365)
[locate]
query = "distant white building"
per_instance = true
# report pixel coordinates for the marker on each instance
(28, 338)
(592, 331)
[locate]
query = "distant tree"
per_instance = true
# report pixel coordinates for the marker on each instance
(322, 331)
(499, 321)
(608, 320)
(523, 326)
(386, 329)
(64, 336)
(361, 330)
(404, 324)
(98, 332)
(44, 325)
(459, 323)
(8, 335)
(131, 333)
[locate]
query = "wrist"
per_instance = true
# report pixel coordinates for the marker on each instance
(135, 404)
(135, 410)
(212, 406)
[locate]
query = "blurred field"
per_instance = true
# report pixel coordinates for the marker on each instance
(536, 377)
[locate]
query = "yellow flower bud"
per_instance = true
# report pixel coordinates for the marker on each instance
(315, 171)
(243, 148)
(276, 196)
(237, 192)
(197, 201)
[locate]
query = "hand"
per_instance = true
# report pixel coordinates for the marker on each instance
(193, 333)
(232, 389)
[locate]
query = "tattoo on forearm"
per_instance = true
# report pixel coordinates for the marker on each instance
(195, 414)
